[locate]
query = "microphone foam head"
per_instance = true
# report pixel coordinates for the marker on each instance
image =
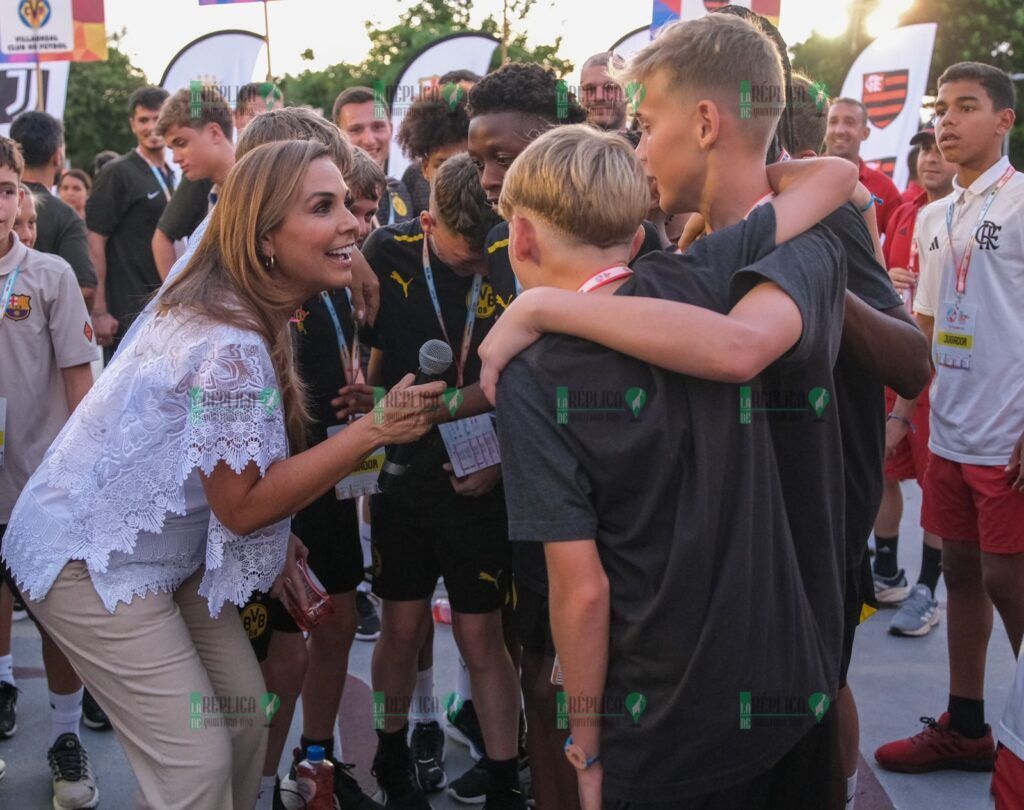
(435, 357)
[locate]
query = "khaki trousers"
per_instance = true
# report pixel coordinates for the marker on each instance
(182, 690)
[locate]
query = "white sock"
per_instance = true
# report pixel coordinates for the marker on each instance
(7, 669)
(851, 791)
(424, 707)
(462, 684)
(65, 713)
(265, 798)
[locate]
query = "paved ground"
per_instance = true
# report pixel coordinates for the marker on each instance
(895, 680)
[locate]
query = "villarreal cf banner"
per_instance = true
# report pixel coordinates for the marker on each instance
(890, 76)
(52, 31)
(666, 11)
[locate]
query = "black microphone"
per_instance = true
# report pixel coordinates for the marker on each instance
(435, 359)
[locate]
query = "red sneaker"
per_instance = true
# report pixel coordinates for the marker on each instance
(937, 748)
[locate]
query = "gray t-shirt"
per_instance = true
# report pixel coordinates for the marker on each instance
(710, 618)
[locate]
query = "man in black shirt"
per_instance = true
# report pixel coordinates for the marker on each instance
(433, 285)
(59, 229)
(122, 212)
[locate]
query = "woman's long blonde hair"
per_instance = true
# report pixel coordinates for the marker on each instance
(230, 280)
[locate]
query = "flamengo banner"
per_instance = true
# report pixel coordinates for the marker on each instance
(468, 51)
(890, 76)
(224, 59)
(52, 31)
(18, 90)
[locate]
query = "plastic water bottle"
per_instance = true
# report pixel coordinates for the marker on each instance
(442, 610)
(315, 780)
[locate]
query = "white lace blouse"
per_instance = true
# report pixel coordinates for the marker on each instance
(119, 487)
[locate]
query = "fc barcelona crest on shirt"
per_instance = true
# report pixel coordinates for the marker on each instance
(19, 307)
(885, 93)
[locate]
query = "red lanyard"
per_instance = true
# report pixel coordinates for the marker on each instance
(963, 266)
(606, 276)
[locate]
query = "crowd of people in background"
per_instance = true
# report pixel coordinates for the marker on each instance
(675, 543)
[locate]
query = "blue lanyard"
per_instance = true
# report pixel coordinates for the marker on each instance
(5, 298)
(161, 180)
(349, 361)
(467, 333)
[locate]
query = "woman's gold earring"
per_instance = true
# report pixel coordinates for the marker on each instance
(270, 265)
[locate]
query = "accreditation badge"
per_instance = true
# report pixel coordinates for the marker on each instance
(363, 479)
(954, 334)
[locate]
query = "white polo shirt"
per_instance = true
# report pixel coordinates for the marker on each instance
(46, 328)
(977, 406)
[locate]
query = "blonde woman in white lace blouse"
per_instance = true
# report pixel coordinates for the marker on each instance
(169, 491)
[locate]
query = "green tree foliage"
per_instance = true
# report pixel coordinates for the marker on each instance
(990, 31)
(96, 112)
(391, 48)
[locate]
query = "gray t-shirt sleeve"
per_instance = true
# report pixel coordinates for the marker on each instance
(547, 493)
(70, 330)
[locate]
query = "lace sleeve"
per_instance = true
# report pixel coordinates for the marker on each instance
(235, 416)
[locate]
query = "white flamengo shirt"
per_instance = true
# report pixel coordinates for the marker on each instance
(977, 412)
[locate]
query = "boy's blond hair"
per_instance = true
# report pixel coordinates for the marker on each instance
(586, 183)
(721, 57)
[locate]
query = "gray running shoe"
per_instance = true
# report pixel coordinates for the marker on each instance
(918, 614)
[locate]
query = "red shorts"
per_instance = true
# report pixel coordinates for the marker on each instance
(974, 503)
(1008, 779)
(911, 457)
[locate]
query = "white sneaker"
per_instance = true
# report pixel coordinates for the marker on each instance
(918, 614)
(74, 787)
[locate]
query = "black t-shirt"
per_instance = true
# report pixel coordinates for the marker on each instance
(499, 268)
(397, 197)
(808, 446)
(125, 206)
(684, 501)
(860, 396)
(405, 322)
(188, 207)
(61, 231)
(418, 187)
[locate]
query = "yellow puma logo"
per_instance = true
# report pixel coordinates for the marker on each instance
(485, 577)
(503, 302)
(401, 282)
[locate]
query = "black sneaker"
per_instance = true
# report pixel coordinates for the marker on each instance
(347, 791)
(92, 715)
(349, 794)
(471, 787)
(464, 727)
(73, 784)
(428, 756)
(512, 799)
(8, 709)
(367, 620)
(395, 775)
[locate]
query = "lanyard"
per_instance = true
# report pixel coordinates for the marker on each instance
(606, 276)
(467, 333)
(349, 360)
(964, 264)
(159, 177)
(5, 298)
